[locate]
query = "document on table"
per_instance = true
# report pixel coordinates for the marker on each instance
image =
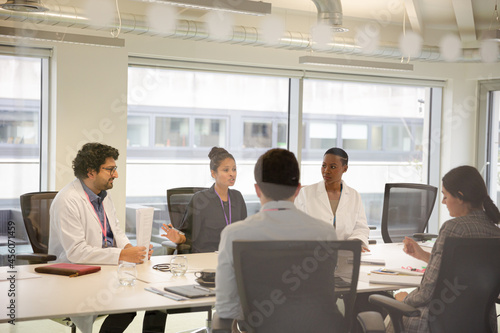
(401, 280)
(5, 276)
(144, 225)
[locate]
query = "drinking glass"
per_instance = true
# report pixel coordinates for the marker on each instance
(178, 265)
(127, 273)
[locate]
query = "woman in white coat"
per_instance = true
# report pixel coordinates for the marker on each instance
(332, 201)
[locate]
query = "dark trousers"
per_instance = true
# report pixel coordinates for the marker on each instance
(154, 322)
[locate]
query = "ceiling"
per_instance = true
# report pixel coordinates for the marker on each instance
(465, 18)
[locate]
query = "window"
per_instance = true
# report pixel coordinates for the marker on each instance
(171, 132)
(210, 132)
(354, 137)
(22, 84)
(380, 126)
(488, 143)
(175, 122)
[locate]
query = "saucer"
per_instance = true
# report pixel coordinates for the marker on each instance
(205, 283)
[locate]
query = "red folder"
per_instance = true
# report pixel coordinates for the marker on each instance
(71, 270)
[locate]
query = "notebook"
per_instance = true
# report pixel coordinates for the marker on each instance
(71, 270)
(191, 291)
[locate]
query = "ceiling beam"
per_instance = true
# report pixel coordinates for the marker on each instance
(465, 20)
(414, 15)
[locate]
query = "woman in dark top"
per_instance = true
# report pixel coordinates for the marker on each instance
(211, 210)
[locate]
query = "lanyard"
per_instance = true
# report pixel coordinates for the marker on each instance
(105, 228)
(222, 204)
(335, 216)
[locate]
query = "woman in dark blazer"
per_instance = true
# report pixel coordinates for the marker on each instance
(211, 210)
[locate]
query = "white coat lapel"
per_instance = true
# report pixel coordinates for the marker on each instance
(322, 196)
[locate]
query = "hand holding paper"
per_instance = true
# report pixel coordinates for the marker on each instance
(144, 225)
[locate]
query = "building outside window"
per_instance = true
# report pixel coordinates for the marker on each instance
(21, 89)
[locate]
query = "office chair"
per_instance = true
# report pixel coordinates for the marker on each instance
(467, 286)
(35, 210)
(177, 202)
(406, 211)
(295, 286)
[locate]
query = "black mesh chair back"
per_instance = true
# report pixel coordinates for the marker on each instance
(35, 209)
(296, 286)
(177, 201)
(407, 209)
(468, 285)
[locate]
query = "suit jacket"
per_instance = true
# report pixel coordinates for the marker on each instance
(350, 216)
(75, 231)
(204, 219)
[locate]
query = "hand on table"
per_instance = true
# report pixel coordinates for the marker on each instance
(365, 249)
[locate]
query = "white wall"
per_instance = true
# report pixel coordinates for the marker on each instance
(89, 89)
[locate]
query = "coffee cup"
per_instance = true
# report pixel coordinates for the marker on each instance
(207, 275)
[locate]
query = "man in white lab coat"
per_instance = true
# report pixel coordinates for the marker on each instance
(84, 228)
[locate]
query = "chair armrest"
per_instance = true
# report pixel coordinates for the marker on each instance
(183, 248)
(422, 236)
(371, 322)
(396, 310)
(372, 241)
(36, 258)
(221, 325)
(372, 227)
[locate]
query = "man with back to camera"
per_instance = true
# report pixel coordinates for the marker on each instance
(277, 184)
(84, 228)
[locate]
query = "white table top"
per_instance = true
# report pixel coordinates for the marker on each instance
(54, 296)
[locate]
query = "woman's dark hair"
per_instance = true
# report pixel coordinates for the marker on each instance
(91, 157)
(340, 153)
(465, 183)
(217, 155)
(277, 173)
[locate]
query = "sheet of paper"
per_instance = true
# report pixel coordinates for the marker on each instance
(402, 280)
(144, 225)
(4, 276)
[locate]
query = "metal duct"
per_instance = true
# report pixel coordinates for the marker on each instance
(63, 16)
(329, 12)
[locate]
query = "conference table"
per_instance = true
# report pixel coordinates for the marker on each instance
(42, 296)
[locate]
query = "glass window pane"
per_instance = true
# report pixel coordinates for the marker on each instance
(209, 132)
(21, 85)
(323, 135)
(137, 131)
(189, 112)
(257, 134)
(380, 126)
(354, 136)
(398, 138)
(172, 132)
(376, 140)
(282, 135)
